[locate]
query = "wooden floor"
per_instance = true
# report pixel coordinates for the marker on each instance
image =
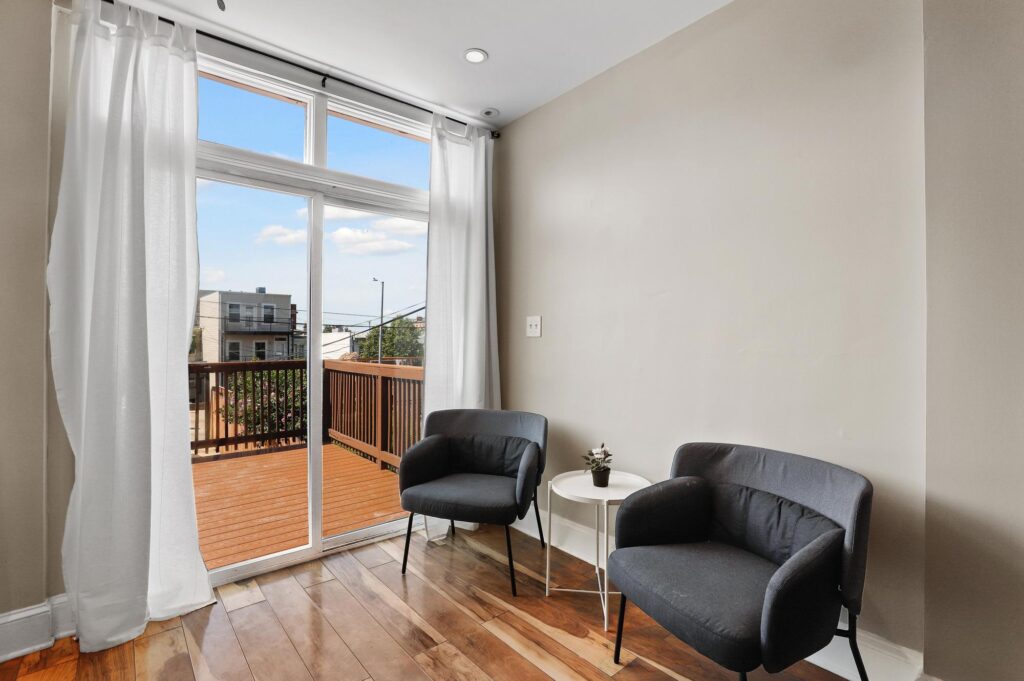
(252, 506)
(352, 616)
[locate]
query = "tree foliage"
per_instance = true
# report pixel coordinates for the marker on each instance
(401, 339)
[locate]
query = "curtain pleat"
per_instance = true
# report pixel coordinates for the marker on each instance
(122, 279)
(461, 367)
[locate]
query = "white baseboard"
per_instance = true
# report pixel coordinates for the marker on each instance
(882, 658)
(27, 630)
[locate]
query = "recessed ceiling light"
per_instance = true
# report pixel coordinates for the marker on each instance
(489, 112)
(475, 55)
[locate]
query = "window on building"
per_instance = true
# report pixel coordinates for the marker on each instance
(250, 315)
(234, 353)
(259, 349)
(234, 312)
(269, 313)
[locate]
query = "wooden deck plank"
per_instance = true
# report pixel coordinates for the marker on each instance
(251, 506)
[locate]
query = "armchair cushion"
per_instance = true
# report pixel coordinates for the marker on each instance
(708, 594)
(471, 497)
(486, 453)
(764, 523)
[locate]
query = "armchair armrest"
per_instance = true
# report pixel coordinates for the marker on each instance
(526, 480)
(425, 461)
(802, 603)
(675, 511)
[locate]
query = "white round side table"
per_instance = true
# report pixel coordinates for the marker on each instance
(578, 486)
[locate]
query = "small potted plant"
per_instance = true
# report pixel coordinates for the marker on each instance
(599, 462)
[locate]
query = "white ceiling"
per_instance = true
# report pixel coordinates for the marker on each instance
(539, 48)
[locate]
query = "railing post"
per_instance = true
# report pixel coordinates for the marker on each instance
(379, 409)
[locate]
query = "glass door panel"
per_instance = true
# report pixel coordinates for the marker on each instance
(374, 283)
(248, 374)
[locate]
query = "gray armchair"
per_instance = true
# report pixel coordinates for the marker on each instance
(475, 465)
(746, 554)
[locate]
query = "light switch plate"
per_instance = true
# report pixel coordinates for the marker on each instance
(533, 326)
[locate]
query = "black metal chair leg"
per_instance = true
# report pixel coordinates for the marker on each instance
(743, 676)
(408, 536)
(453, 529)
(856, 650)
(618, 630)
(511, 563)
(540, 527)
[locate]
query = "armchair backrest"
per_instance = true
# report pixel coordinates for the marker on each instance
(839, 494)
(461, 422)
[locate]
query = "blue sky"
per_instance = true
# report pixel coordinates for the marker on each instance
(253, 237)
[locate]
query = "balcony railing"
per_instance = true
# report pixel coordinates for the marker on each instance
(260, 406)
(257, 405)
(374, 408)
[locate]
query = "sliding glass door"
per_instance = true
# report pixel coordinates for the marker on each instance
(306, 365)
(374, 271)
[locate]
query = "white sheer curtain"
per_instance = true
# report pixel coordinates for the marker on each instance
(122, 280)
(462, 342)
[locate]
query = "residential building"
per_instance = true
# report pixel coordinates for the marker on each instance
(248, 325)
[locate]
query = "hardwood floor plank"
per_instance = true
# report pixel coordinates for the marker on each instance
(508, 630)
(379, 654)
(326, 656)
(639, 670)
(466, 540)
(163, 657)
(445, 663)
(159, 626)
(461, 629)
(268, 650)
(566, 569)
(9, 669)
(65, 671)
(411, 631)
(213, 647)
(311, 573)
(113, 664)
(439, 577)
(371, 555)
(562, 626)
(62, 650)
(238, 595)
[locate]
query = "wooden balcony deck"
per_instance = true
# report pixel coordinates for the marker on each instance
(256, 505)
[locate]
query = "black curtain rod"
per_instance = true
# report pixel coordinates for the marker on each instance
(315, 72)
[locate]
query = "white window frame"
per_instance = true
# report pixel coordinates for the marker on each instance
(318, 184)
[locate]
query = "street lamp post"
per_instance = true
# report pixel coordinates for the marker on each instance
(380, 328)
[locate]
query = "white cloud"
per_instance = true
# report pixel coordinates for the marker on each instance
(284, 236)
(365, 242)
(211, 276)
(403, 226)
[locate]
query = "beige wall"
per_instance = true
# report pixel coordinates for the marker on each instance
(24, 160)
(725, 235)
(975, 502)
